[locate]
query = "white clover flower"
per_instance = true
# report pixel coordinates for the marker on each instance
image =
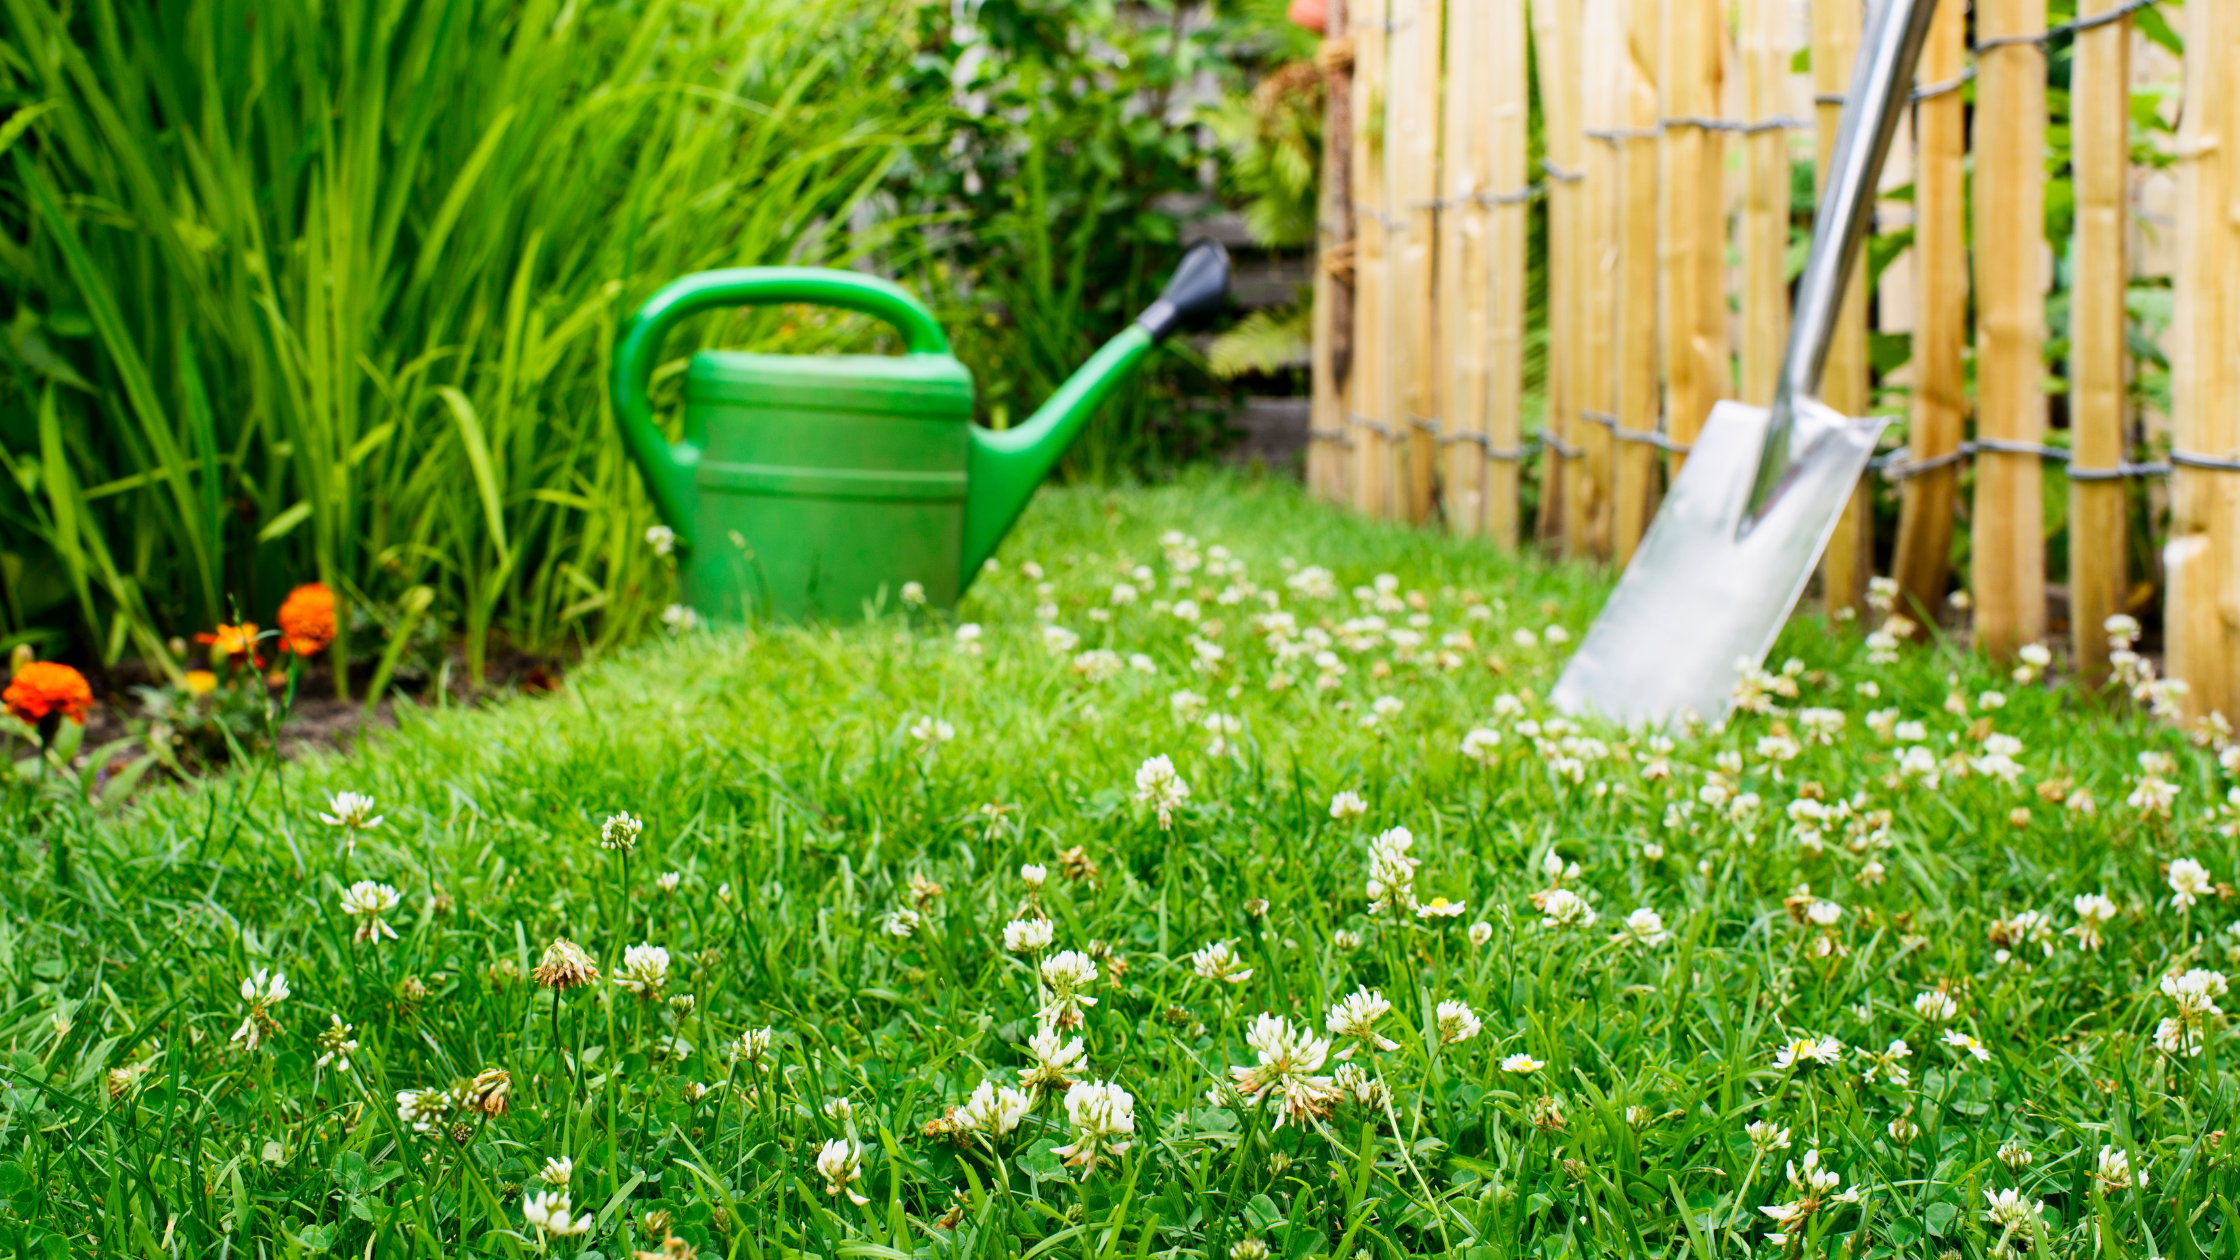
(550, 1214)
(1521, 1064)
(1355, 1017)
(1936, 1006)
(840, 1163)
(1554, 635)
(662, 539)
(1645, 927)
(1057, 640)
(1123, 593)
(1392, 873)
(1159, 786)
(366, 901)
(557, 1171)
(2152, 797)
(1823, 913)
(1913, 732)
(2035, 655)
(1103, 1117)
(644, 970)
(1884, 724)
(1888, 1064)
(1480, 744)
(1032, 874)
(1065, 975)
(750, 1046)
(995, 1109)
(1456, 1022)
(2014, 1155)
(1560, 907)
(2114, 1169)
(1766, 1136)
(1055, 1060)
(902, 923)
(932, 732)
(913, 595)
(1289, 1058)
(1480, 933)
(1347, 806)
(2009, 1209)
(620, 832)
(2195, 992)
(1028, 936)
(2189, 880)
(352, 812)
(1219, 963)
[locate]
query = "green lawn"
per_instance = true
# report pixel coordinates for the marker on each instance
(839, 825)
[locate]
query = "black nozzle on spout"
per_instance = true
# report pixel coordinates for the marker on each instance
(1197, 289)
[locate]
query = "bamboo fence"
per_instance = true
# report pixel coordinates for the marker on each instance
(1668, 131)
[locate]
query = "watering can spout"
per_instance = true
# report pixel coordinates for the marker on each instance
(1005, 466)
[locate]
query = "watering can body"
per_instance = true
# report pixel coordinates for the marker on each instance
(811, 486)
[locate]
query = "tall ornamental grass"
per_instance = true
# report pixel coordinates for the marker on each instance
(328, 291)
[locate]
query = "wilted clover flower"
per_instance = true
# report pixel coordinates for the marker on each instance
(619, 833)
(1158, 786)
(565, 966)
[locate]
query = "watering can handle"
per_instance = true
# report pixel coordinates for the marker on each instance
(668, 468)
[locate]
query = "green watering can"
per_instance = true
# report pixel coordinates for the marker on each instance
(807, 485)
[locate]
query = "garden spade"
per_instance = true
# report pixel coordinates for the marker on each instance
(1744, 523)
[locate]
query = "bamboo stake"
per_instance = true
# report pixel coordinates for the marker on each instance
(1765, 214)
(2201, 624)
(1369, 405)
(1465, 274)
(1588, 486)
(1849, 559)
(2100, 140)
(1412, 131)
(1556, 40)
(1639, 155)
(2008, 541)
(1328, 440)
(1504, 25)
(1923, 560)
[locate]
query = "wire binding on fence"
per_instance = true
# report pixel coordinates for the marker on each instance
(1378, 427)
(1895, 468)
(1560, 175)
(1644, 437)
(1338, 437)
(1563, 449)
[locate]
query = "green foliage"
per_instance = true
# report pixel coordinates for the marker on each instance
(845, 867)
(1262, 342)
(327, 291)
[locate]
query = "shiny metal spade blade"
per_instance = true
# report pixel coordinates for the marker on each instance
(1701, 593)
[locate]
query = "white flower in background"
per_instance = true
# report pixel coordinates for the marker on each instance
(1821, 726)
(366, 901)
(1798, 1051)
(1440, 908)
(1056, 1060)
(1884, 724)
(932, 732)
(1103, 1118)
(1347, 806)
(336, 1045)
(1355, 1018)
(1561, 907)
(913, 595)
(750, 1046)
(2094, 910)
(1963, 1044)
(1064, 976)
(1555, 635)
(550, 1213)
(1481, 743)
(2189, 881)
(995, 1109)
(620, 832)
(840, 1163)
(1888, 1064)
(1936, 1006)
(1219, 963)
(1480, 933)
(968, 638)
(680, 618)
(1057, 640)
(1645, 927)
(1392, 873)
(2152, 797)
(1123, 593)
(662, 539)
(2114, 1169)
(1160, 787)
(1766, 1137)
(1992, 700)
(1456, 1022)
(1028, 936)
(644, 970)
(262, 990)
(557, 1170)
(903, 923)
(1521, 1064)
(352, 812)
(2010, 1209)
(2014, 1155)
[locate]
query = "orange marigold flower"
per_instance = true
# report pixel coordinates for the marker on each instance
(238, 640)
(42, 689)
(307, 619)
